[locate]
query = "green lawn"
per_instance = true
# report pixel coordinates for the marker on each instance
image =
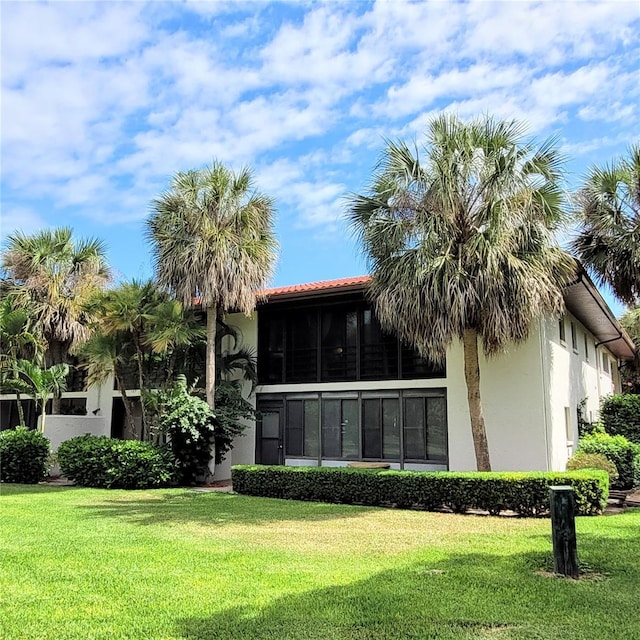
(81, 563)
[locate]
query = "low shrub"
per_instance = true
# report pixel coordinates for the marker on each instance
(525, 493)
(24, 456)
(620, 415)
(98, 461)
(624, 454)
(593, 461)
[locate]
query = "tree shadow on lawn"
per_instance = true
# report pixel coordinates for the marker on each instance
(12, 489)
(215, 509)
(465, 596)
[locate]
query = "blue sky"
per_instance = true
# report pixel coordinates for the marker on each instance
(103, 102)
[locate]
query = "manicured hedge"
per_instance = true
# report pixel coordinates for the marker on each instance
(92, 461)
(525, 493)
(24, 456)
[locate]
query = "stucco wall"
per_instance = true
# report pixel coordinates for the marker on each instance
(575, 374)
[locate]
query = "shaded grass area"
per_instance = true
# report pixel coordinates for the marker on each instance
(166, 564)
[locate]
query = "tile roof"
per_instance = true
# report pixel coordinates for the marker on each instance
(324, 285)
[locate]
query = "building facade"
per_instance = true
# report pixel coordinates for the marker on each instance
(334, 388)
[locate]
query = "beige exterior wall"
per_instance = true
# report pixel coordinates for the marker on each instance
(576, 373)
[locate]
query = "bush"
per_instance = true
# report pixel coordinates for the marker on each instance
(189, 425)
(92, 461)
(624, 454)
(620, 415)
(593, 461)
(24, 456)
(525, 493)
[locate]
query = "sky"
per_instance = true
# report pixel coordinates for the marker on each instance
(102, 102)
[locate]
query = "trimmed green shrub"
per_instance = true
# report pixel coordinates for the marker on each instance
(525, 493)
(620, 415)
(24, 456)
(624, 454)
(92, 461)
(593, 461)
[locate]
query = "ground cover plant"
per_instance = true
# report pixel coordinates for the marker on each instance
(176, 563)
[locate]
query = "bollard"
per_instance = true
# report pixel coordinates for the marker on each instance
(563, 531)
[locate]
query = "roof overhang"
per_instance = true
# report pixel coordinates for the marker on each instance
(585, 302)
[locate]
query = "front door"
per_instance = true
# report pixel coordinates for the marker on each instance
(269, 441)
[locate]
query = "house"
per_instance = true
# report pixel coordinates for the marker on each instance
(333, 387)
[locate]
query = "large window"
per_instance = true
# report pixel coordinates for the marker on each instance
(332, 343)
(408, 425)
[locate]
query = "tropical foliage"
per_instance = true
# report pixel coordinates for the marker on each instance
(55, 276)
(39, 383)
(213, 242)
(459, 239)
(608, 242)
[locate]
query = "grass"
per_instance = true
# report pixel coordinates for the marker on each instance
(166, 564)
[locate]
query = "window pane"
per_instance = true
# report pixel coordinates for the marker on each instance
(414, 366)
(437, 429)
(390, 428)
(339, 326)
(414, 429)
(378, 350)
(331, 429)
(311, 427)
(371, 445)
(271, 351)
(350, 440)
(302, 349)
(294, 428)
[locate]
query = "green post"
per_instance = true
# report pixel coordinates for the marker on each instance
(563, 530)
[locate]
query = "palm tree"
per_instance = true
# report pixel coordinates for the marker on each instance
(460, 245)
(56, 275)
(40, 383)
(172, 328)
(17, 342)
(105, 356)
(213, 241)
(608, 241)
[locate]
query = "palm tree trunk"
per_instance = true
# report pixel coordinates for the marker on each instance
(472, 378)
(57, 353)
(43, 414)
(212, 319)
(20, 409)
(127, 405)
(143, 431)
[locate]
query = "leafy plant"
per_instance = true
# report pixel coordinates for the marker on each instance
(593, 461)
(620, 415)
(39, 383)
(24, 456)
(624, 454)
(189, 425)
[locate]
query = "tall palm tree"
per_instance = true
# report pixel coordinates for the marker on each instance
(459, 240)
(608, 241)
(213, 241)
(57, 275)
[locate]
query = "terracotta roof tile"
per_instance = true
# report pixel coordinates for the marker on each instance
(324, 285)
